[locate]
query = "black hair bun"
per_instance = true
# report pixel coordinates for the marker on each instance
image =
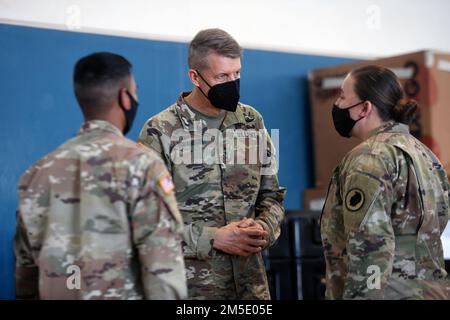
(405, 111)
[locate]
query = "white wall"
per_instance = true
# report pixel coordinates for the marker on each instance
(354, 28)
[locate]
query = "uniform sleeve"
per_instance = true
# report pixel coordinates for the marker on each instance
(157, 228)
(331, 221)
(367, 198)
(269, 210)
(152, 138)
(197, 239)
(444, 202)
(27, 273)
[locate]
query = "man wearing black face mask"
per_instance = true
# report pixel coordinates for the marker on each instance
(231, 210)
(104, 222)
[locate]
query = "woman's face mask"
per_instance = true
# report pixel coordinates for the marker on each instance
(342, 121)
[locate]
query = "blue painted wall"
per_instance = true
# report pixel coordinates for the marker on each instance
(38, 111)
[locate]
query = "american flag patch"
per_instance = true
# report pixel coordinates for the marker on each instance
(166, 183)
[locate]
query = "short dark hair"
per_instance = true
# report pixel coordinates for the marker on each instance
(212, 40)
(97, 79)
(382, 87)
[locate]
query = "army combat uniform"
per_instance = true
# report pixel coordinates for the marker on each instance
(211, 195)
(387, 206)
(97, 219)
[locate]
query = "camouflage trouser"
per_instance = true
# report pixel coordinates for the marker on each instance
(226, 277)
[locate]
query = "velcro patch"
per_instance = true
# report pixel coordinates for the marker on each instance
(354, 200)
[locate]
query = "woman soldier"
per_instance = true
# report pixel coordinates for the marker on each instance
(388, 199)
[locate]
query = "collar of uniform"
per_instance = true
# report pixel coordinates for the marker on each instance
(99, 125)
(392, 127)
(187, 117)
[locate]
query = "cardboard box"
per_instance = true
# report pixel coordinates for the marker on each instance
(425, 76)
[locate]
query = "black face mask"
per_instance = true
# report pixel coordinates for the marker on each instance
(342, 121)
(223, 95)
(130, 114)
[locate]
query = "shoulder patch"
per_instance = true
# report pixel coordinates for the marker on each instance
(354, 199)
(166, 184)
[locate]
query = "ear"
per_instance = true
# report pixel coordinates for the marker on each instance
(194, 77)
(124, 99)
(367, 109)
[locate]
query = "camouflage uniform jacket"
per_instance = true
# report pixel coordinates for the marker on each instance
(211, 195)
(97, 219)
(387, 206)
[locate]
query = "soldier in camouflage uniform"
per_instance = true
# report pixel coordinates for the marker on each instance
(97, 217)
(388, 200)
(231, 211)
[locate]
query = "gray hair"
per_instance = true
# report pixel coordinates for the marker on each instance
(212, 40)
